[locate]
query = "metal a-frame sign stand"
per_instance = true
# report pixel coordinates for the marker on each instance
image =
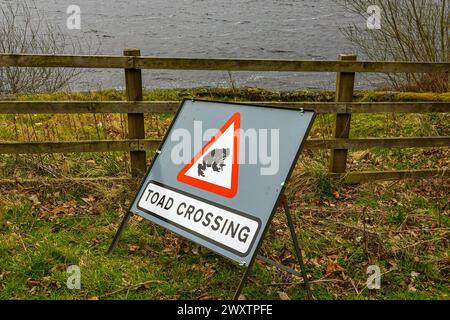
(295, 243)
(281, 201)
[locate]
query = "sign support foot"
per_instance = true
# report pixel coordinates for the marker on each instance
(297, 248)
(119, 232)
(298, 253)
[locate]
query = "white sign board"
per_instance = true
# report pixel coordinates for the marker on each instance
(220, 171)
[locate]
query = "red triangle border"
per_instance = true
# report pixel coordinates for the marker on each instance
(211, 187)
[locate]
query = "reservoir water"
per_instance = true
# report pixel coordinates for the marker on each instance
(279, 29)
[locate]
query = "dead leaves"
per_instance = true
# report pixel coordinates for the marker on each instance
(283, 296)
(3, 276)
(175, 246)
(333, 266)
(33, 283)
(446, 261)
(90, 199)
(72, 207)
(49, 205)
(359, 156)
(67, 208)
(336, 195)
(36, 285)
(286, 255)
(133, 248)
(5, 224)
(146, 285)
(34, 200)
(207, 269)
(413, 277)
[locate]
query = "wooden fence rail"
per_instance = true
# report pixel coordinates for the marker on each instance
(132, 62)
(46, 107)
(138, 62)
(135, 145)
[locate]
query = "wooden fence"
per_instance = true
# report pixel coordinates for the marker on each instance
(133, 63)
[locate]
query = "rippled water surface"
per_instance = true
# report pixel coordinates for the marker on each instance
(211, 28)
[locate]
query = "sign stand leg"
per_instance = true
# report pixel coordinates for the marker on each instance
(119, 232)
(243, 279)
(297, 248)
(298, 252)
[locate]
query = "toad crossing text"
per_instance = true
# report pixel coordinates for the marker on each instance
(224, 227)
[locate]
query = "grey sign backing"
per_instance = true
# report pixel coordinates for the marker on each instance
(257, 195)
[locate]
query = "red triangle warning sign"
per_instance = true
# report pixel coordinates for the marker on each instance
(215, 167)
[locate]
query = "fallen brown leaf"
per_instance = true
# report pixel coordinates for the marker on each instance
(133, 248)
(333, 267)
(283, 296)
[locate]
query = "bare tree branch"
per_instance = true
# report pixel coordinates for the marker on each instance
(24, 29)
(411, 30)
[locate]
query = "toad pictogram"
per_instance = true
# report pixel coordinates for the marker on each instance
(214, 159)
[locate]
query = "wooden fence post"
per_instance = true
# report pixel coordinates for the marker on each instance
(136, 129)
(345, 83)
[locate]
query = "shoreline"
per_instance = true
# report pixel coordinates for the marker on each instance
(230, 94)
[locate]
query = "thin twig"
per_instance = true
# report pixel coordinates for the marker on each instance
(418, 243)
(133, 287)
(302, 283)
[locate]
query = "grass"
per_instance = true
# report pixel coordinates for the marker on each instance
(403, 227)
(44, 231)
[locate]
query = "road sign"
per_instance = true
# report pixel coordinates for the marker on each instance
(221, 155)
(220, 171)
